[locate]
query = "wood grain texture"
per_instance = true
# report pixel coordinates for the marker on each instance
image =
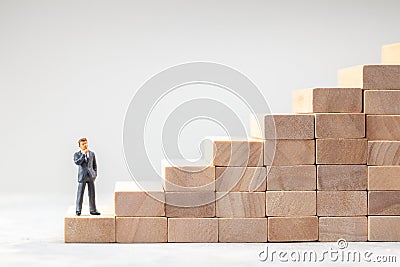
(193, 230)
(242, 229)
(341, 203)
(383, 127)
(190, 204)
(291, 178)
(240, 153)
(383, 153)
(290, 229)
(391, 54)
(342, 177)
(383, 228)
(141, 229)
(332, 229)
(341, 151)
(291, 203)
(240, 179)
(382, 102)
(383, 177)
(240, 204)
(340, 125)
(189, 178)
(289, 152)
(383, 203)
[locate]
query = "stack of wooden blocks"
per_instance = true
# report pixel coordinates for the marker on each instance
(331, 170)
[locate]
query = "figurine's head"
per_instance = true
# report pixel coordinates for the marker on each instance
(83, 144)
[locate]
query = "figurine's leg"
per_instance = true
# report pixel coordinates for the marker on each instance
(79, 197)
(92, 199)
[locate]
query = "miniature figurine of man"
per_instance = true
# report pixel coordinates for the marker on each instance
(87, 173)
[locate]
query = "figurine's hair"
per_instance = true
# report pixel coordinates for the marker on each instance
(82, 140)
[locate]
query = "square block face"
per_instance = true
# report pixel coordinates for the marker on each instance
(291, 203)
(391, 54)
(240, 204)
(382, 102)
(383, 127)
(242, 229)
(341, 151)
(240, 179)
(190, 204)
(291, 178)
(383, 203)
(189, 178)
(289, 229)
(192, 230)
(238, 153)
(383, 228)
(141, 229)
(342, 177)
(130, 200)
(331, 229)
(289, 152)
(340, 125)
(341, 203)
(383, 153)
(328, 100)
(384, 178)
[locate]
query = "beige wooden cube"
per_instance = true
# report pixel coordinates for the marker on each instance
(342, 177)
(383, 228)
(89, 228)
(242, 229)
(132, 200)
(289, 152)
(291, 178)
(240, 179)
(291, 229)
(327, 100)
(190, 204)
(341, 151)
(240, 204)
(382, 102)
(384, 178)
(193, 230)
(391, 54)
(332, 229)
(383, 127)
(291, 203)
(383, 202)
(340, 125)
(141, 229)
(341, 203)
(383, 153)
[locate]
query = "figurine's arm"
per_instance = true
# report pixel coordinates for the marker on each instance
(94, 163)
(79, 158)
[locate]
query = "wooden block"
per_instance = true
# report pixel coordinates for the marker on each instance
(289, 152)
(291, 178)
(383, 203)
(391, 54)
(131, 200)
(240, 204)
(242, 229)
(370, 77)
(383, 177)
(383, 153)
(327, 100)
(383, 127)
(240, 179)
(342, 177)
(192, 230)
(340, 125)
(283, 126)
(383, 228)
(291, 203)
(332, 229)
(341, 203)
(190, 204)
(289, 229)
(382, 102)
(141, 229)
(89, 228)
(341, 151)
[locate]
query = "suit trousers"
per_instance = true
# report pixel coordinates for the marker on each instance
(81, 191)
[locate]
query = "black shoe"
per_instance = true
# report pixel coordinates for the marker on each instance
(95, 213)
(78, 213)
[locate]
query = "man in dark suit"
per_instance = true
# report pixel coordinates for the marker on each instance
(87, 173)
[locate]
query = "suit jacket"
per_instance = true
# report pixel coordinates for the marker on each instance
(87, 168)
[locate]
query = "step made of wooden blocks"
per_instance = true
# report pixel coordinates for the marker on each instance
(383, 127)
(384, 178)
(290, 203)
(341, 203)
(327, 100)
(190, 204)
(238, 153)
(291, 229)
(242, 229)
(291, 178)
(131, 200)
(89, 228)
(391, 54)
(289, 152)
(383, 153)
(383, 203)
(382, 102)
(141, 229)
(370, 77)
(240, 179)
(340, 125)
(240, 204)
(332, 229)
(283, 126)
(189, 178)
(342, 177)
(383, 228)
(341, 151)
(192, 230)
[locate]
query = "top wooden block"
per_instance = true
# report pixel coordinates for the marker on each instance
(328, 100)
(370, 77)
(391, 54)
